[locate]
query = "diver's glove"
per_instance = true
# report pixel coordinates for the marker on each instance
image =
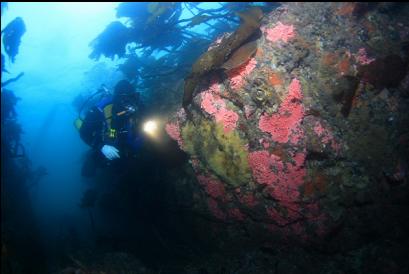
(110, 152)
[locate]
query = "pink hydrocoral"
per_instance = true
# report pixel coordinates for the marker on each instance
(213, 187)
(211, 103)
(283, 183)
(173, 131)
(214, 208)
(294, 91)
(262, 164)
(362, 57)
(216, 106)
(248, 199)
(299, 159)
(280, 32)
(236, 214)
(319, 129)
(284, 178)
(277, 217)
(228, 118)
(264, 143)
(326, 136)
(287, 122)
(214, 86)
(291, 179)
(284, 126)
(237, 75)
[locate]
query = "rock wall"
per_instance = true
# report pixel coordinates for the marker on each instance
(307, 141)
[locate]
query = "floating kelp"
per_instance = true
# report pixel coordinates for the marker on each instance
(198, 19)
(240, 56)
(214, 58)
(111, 41)
(130, 67)
(12, 34)
(161, 9)
(137, 10)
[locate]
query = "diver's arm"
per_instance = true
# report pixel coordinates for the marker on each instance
(92, 129)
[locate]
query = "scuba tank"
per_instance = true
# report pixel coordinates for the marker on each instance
(120, 123)
(106, 106)
(102, 92)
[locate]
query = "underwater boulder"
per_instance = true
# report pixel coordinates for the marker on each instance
(344, 92)
(267, 152)
(384, 72)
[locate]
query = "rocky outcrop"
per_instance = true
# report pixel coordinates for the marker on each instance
(291, 145)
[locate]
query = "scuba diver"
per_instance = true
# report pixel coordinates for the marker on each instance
(111, 128)
(12, 37)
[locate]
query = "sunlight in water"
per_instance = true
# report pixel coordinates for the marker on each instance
(85, 8)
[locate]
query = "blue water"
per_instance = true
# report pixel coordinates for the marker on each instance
(54, 58)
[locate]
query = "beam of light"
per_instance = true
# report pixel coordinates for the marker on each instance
(86, 7)
(151, 128)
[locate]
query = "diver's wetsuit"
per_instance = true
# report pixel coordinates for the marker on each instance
(95, 132)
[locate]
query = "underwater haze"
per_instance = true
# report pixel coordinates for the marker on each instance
(54, 56)
(204, 137)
